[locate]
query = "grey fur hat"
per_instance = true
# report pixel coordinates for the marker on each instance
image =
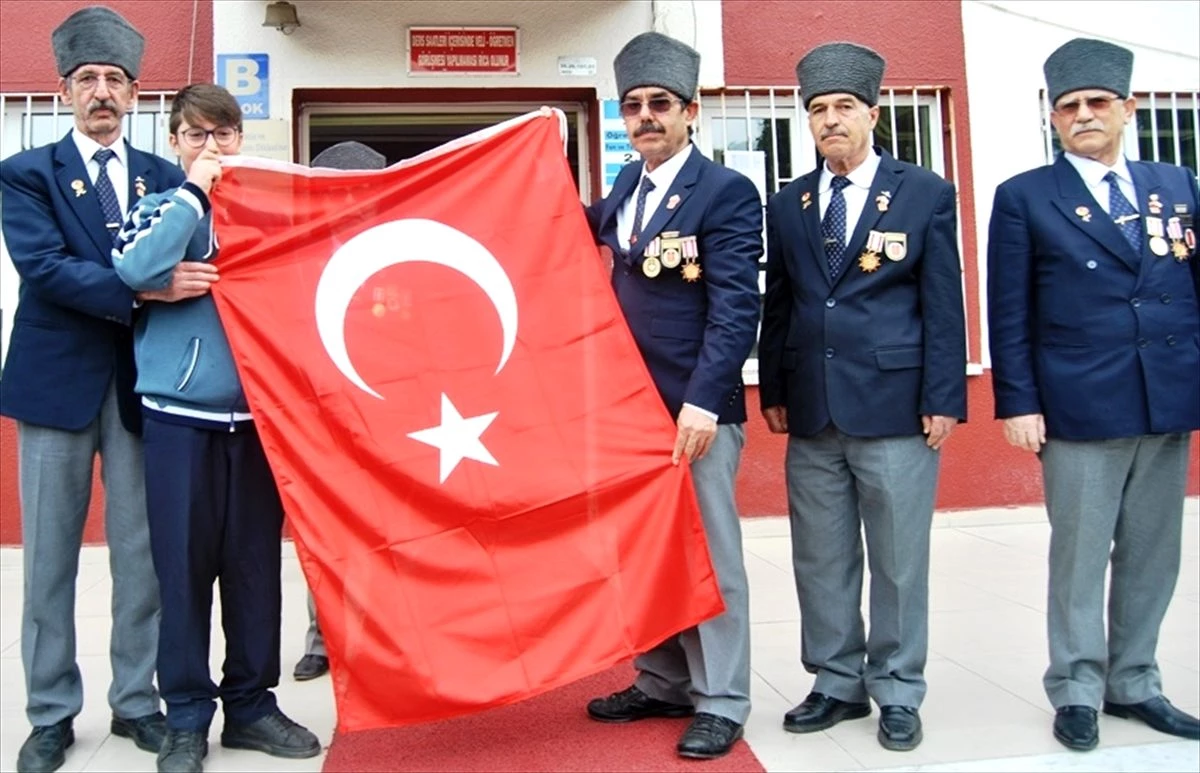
(654, 59)
(837, 68)
(1084, 63)
(349, 155)
(97, 35)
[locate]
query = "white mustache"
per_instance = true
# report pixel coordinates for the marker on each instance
(1087, 127)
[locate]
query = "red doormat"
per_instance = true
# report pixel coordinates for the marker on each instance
(551, 732)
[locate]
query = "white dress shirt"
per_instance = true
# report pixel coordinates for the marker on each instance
(855, 193)
(1093, 172)
(662, 177)
(118, 166)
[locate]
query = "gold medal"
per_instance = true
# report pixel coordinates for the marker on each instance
(869, 262)
(1158, 245)
(671, 256)
(691, 271)
(651, 267)
(1084, 213)
(1179, 250)
(895, 246)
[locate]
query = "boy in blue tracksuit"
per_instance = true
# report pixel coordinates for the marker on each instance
(214, 510)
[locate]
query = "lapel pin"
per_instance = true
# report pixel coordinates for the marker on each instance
(1084, 213)
(139, 186)
(806, 199)
(1155, 205)
(77, 186)
(882, 200)
(673, 201)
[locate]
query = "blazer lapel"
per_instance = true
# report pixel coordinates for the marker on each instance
(622, 189)
(1146, 183)
(673, 201)
(141, 175)
(1080, 208)
(810, 219)
(888, 178)
(80, 195)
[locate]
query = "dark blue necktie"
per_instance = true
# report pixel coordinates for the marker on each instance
(1123, 213)
(833, 226)
(640, 211)
(109, 203)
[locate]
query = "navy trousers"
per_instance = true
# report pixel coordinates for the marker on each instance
(215, 516)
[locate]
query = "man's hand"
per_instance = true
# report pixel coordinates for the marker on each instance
(205, 170)
(189, 280)
(694, 435)
(1028, 431)
(776, 417)
(937, 429)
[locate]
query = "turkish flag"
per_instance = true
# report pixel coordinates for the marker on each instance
(474, 461)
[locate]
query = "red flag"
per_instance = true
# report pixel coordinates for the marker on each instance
(473, 458)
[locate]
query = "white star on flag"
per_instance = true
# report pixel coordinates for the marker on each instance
(457, 438)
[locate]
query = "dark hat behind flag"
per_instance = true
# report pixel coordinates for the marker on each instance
(349, 155)
(654, 59)
(97, 35)
(1084, 63)
(840, 68)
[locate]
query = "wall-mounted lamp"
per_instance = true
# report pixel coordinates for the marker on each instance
(282, 16)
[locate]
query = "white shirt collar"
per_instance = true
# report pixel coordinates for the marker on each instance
(862, 176)
(664, 174)
(88, 147)
(1093, 171)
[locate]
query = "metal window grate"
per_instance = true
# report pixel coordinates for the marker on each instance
(35, 119)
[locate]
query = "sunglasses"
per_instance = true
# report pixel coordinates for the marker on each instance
(657, 105)
(1095, 104)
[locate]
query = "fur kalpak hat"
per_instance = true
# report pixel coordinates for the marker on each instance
(97, 35)
(840, 68)
(654, 59)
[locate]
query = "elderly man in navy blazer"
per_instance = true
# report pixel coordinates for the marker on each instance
(863, 364)
(1095, 338)
(687, 237)
(68, 381)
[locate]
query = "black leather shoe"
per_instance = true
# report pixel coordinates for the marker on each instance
(632, 704)
(1159, 714)
(183, 751)
(821, 712)
(310, 667)
(274, 734)
(708, 737)
(899, 728)
(1075, 727)
(147, 732)
(45, 749)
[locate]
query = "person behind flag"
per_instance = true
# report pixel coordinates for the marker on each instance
(343, 155)
(214, 511)
(687, 236)
(863, 365)
(1093, 284)
(68, 383)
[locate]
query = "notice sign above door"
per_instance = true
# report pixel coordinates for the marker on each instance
(450, 50)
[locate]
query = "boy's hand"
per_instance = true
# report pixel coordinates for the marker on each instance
(205, 170)
(189, 280)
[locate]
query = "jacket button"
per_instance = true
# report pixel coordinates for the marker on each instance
(830, 303)
(1135, 302)
(1165, 298)
(1091, 264)
(1143, 343)
(1170, 340)
(829, 353)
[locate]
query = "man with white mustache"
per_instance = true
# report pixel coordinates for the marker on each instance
(1093, 286)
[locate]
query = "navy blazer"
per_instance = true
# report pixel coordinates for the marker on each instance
(867, 351)
(1101, 339)
(694, 336)
(71, 332)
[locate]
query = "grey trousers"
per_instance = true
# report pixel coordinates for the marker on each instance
(314, 642)
(55, 488)
(709, 665)
(838, 488)
(1120, 501)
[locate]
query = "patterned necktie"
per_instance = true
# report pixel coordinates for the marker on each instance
(1123, 213)
(833, 226)
(108, 195)
(639, 212)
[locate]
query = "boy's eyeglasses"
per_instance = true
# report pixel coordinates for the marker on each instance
(658, 106)
(196, 138)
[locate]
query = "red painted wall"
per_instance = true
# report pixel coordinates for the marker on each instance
(177, 32)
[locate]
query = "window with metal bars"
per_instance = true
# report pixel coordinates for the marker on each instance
(32, 120)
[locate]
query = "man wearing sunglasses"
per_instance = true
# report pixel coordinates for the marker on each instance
(686, 236)
(68, 382)
(1093, 284)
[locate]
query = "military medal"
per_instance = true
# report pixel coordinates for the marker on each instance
(882, 201)
(1084, 213)
(1178, 248)
(1158, 245)
(895, 245)
(691, 257)
(653, 248)
(651, 267)
(139, 186)
(1154, 229)
(806, 199)
(869, 260)
(1189, 238)
(1155, 205)
(77, 186)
